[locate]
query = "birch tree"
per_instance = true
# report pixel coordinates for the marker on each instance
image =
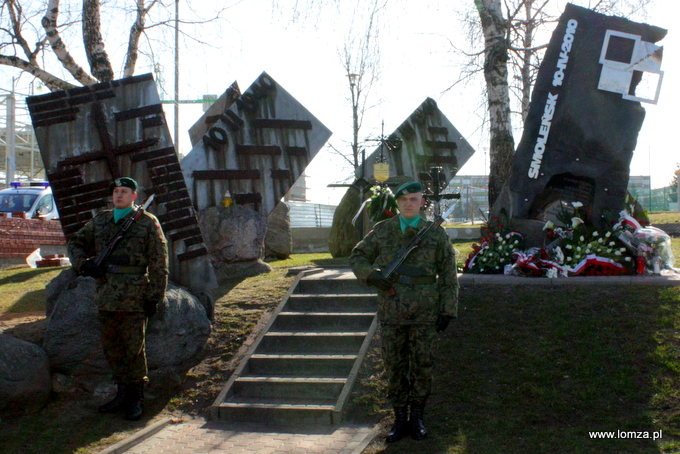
(496, 46)
(37, 37)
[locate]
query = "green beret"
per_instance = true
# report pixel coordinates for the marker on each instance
(123, 181)
(408, 188)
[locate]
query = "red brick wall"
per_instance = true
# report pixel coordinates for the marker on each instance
(19, 237)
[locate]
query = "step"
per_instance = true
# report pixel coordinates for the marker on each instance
(323, 321)
(339, 286)
(281, 387)
(331, 302)
(329, 366)
(311, 342)
(311, 413)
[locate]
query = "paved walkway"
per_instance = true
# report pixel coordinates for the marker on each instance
(217, 437)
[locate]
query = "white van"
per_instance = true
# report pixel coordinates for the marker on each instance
(34, 198)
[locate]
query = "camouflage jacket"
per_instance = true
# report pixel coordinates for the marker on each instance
(413, 303)
(143, 246)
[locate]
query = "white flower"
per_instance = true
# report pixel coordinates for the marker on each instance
(600, 240)
(595, 233)
(568, 246)
(623, 249)
(581, 239)
(611, 243)
(608, 234)
(575, 222)
(502, 260)
(516, 242)
(483, 259)
(568, 259)
(617, 253)
(576, 204)
(578, 248)
(549, 225)
(498, 235)
(628, 259)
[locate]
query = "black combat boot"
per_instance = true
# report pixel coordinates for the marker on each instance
(418, 430)
(135, 401)
(400, 427)
(118, 402)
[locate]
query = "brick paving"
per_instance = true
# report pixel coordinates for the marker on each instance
(218, 437)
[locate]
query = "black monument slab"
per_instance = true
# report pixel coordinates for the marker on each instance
(584, 117)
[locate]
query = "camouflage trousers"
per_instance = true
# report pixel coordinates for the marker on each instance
(409, 355)
(123, 340)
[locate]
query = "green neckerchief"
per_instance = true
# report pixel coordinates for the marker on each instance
(413, 222)
(120, 213)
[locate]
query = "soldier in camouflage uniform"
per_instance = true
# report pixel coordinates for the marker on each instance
(414, 305)
(129, 287)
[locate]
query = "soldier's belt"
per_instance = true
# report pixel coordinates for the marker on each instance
(401, 279)
(116, 269)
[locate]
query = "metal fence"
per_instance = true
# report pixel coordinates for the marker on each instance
(309, 215)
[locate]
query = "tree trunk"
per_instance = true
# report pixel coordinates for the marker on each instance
(133, 41)
(527, 56)
(94, 44)
(49, 23)
(502, 143)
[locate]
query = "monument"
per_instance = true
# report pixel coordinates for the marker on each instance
(425, 140)
(254, 149)
(90, 135)
(584, 119)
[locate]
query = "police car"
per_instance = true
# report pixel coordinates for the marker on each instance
(34, 198)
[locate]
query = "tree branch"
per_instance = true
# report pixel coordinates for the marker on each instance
(53, 83)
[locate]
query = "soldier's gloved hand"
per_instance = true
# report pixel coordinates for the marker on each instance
(89, 268)
(150, 307)
(442, 322)
(376, 279)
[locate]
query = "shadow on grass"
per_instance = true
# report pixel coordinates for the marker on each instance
(534, 370)
(30, 302)
(24, 275)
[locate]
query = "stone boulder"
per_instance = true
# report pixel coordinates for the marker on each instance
(343, 235)
(278, 242)
(175, 335)
(24, 376)
(234, 236)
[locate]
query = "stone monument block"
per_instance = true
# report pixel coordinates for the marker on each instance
(584, 117)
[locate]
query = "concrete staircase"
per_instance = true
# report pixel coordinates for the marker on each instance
(301, 367)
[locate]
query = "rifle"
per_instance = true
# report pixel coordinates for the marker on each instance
(414, 243)
(118, 235)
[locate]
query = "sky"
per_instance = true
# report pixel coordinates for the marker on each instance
(417, 61)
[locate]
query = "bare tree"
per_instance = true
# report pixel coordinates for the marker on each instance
(23, 22)
(360, 58)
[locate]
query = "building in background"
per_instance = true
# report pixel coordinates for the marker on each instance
(20, 142)
(474, 198)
